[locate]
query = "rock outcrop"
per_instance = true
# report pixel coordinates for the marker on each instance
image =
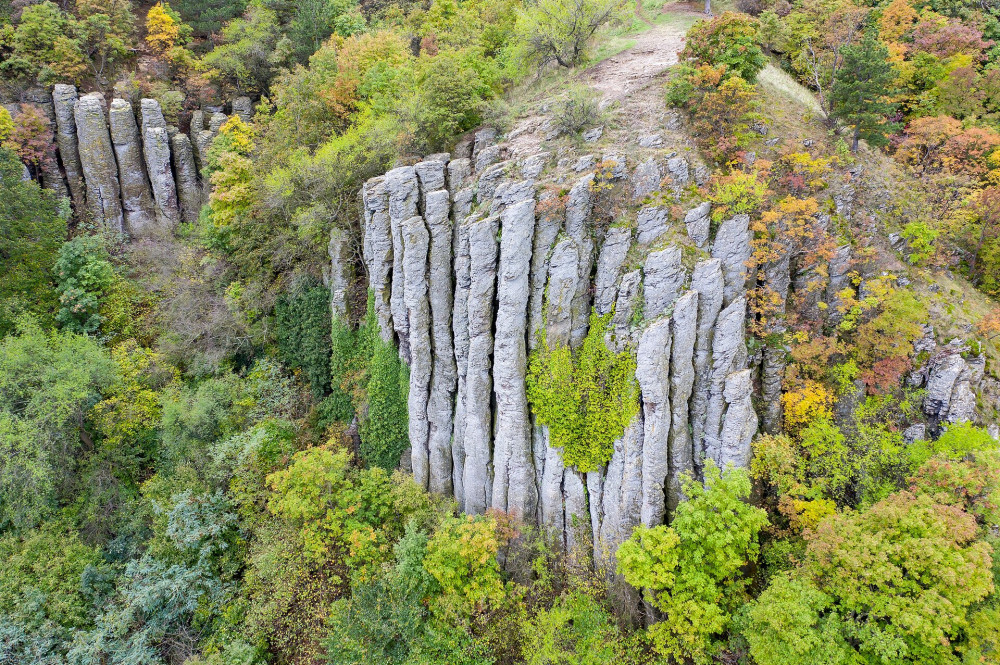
(137, 198)
(156, 149)
(64, 99)
(97, 163)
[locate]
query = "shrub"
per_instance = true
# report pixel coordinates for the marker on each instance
(578, 110)
(83, 275)
(562, 30)
(302, 329)
(586, 399)
(729, 40)
(451, 99)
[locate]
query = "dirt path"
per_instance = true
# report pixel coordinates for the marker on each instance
(656, 49)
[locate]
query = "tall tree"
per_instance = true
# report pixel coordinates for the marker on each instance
(860, 90)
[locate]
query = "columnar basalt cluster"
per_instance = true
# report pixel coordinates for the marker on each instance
(471, 261)
(125, 168)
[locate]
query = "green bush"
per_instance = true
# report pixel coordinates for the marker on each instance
(83, 275)
(731, 40)
(580, 109)
(586, 399)
(302, 321)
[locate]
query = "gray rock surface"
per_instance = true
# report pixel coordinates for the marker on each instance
(137, 197)
(652, 223)
(444, 375)
(546, 229)
(431, 175)
(379, 252)
(479, 382)
(459, 171)
(416, 241)
(186, 178)
(563, 275)
(729, 355)
(740, 423)
(460, 341)
(243, 107)
(341, 272)
(579, 205)
(646, 179)
(64, 98)
(663, 277)
(653, 373)
(97, 163)
(698, 221)
(707, 280)
(609, 264)
(732, 247)
(684, 332)
(401, 184)
(514, 474)
(627, 305)
(156, 149)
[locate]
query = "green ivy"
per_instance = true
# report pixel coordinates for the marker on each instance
(303, 333)
(586, 399)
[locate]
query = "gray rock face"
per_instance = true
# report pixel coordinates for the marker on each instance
(629, 299)
(186, 177)
(243, 107)
(546, 230)
(950, 397)
(653, 373)
(431, 176)
(677, 168)
(514, 473)
(664, 277)
(563, 271)
(479, 382)
(460, 328)
(578, 208)
(652, 223)
(622, 496)
(137, 198)
(609, 264)
(97, 162)
(487, 156)
(489, 180)
(64, 100)
(839, 270)
(707, 280)
(444, 375)
(416, 241)
(156, 148)
(401, 184)
(732, 247)
(740, 423)
(576, 516)
(729, 355)
(341, 272)
(698, 221)
(379, 251)
(684, 332)
(458, 171)
(646, 179)
(534, 165)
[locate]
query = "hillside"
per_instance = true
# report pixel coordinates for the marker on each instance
(529, 333)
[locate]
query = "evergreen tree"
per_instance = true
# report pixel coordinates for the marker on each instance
(860, 90)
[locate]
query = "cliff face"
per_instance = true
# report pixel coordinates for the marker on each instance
(130, 173)
(471, 259)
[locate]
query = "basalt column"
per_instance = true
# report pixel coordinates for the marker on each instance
(156, 148)
(137, 198)
(64, 99)
(514, 479)
(97, 162)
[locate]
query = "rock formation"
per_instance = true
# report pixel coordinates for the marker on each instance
(137, 198)
(64, 99)
(97, 163)
(156, 149)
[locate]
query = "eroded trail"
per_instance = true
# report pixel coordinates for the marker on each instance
(655, 50)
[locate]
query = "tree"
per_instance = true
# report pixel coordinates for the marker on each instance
(730, 40)
(891, 584)
(162, 31)
(860, 91)
(32, 228)
(691, 570)
(561, 30)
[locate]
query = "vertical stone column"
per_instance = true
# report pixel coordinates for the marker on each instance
(460, 330)
(729, 354)
(64, 99)
(186, 176)
(137, 199)
(156, 148)
(707, 280)
(663, 277)
(97, 162)
(341, 272)
(609, 263)
(416, 241)
(514, 480)
(578, 208)
(401, 184)
(684, 330)
(732, 247)
(653, 374)
(444, 375)
(378, 250)
(479, 381)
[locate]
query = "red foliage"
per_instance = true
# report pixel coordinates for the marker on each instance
(945, 41)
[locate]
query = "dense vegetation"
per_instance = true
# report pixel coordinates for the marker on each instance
(198, 466)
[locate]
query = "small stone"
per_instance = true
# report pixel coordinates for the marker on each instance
(584, 163)
(594, 134)
(650, 141)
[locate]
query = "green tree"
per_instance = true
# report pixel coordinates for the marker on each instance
(562, 30)
(83, 275)
(731, 39)
(208, 16)
(302, 321)
(692, 570)
(892, 584)
(32, 229)
(861, 89)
